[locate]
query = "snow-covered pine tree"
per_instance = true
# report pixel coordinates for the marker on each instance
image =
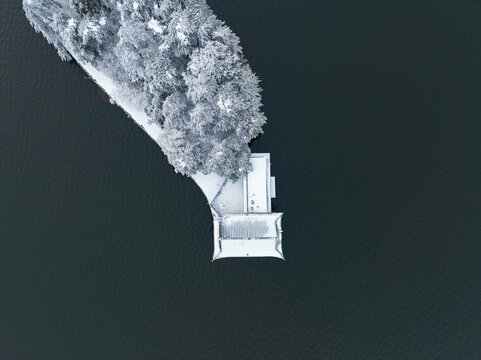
(43, 14)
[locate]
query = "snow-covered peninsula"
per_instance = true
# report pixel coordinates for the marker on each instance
(172, 65)
(179, 72)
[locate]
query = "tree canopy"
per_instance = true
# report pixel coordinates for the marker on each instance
(176, 53)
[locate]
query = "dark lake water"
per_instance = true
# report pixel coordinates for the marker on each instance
(374, 131)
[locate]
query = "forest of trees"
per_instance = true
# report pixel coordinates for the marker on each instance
(175, 53)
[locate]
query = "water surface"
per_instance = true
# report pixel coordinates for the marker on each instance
(375, 138)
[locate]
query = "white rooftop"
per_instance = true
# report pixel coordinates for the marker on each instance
(244, 235)
(244, 225)
(257, 184)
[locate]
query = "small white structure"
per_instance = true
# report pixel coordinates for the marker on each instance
(244, 225)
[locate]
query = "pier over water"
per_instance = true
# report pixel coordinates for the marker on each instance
(244, 224)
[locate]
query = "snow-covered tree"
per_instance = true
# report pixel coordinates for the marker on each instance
(42, 15)
(175, 111)
(185, 65)
(227, 155)
(86, 6)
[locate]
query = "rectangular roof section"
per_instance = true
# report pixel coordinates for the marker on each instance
(257, 184)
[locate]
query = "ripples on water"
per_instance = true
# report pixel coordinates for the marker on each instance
(374, 137)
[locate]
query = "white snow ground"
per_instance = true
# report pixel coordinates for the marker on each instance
(230, 199)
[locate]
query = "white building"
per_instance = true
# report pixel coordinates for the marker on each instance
(244, 225)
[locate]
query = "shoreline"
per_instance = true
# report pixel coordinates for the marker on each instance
(210, 184)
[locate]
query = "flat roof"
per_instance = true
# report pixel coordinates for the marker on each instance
(257, 185)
